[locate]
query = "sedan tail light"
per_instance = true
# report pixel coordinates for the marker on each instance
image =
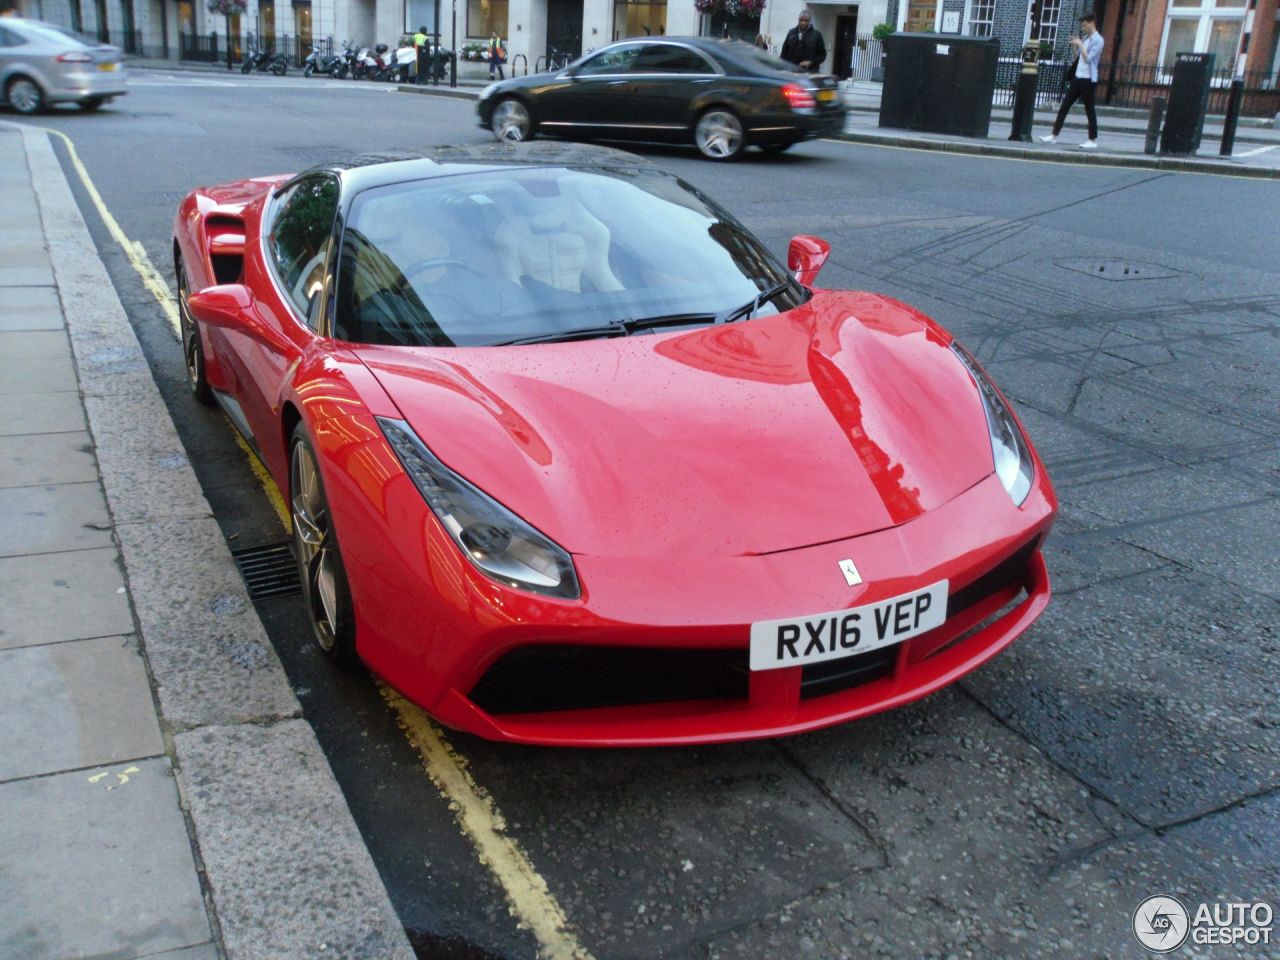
(798, 97)
(74, 57)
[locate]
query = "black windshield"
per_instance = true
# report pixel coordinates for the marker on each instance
(504, 255)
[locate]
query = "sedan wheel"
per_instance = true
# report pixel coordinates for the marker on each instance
(192, 351)
(25, 95)
(719, 134)
(511, 121)
(315, 547)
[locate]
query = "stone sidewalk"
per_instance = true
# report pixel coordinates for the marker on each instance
(161, 795)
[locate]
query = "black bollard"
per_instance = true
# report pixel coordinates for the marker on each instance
(1232, 118)
(1154, 123)
(1024, 95)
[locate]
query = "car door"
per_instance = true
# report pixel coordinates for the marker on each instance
(590, 97)
(666, 78)
(295, 253)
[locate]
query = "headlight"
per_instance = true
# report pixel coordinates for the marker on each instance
(487, 92)
(497, 542)
(1008, 446)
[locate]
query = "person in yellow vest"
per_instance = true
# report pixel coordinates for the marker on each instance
(421, 46)
(497, 56)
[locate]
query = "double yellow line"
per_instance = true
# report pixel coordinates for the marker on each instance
(530, 901)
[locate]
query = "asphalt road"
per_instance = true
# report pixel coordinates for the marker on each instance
(1129, 745)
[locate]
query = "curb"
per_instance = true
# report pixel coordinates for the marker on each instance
(454, 93)
(1170, 164)
(284, 870)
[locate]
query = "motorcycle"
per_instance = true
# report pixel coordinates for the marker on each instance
(401, 64)
(376, 69)
(265, 59)
(346, 64)
(318, 62)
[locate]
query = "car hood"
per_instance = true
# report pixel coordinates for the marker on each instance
(843, 416)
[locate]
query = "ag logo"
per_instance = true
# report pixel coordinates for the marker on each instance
(851, 574)
(1161, 924)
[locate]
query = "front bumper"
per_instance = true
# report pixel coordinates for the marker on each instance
(697, 618)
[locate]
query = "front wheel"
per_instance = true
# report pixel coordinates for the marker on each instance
(192, 349)
(511, 121)
(320, 567)
(339, 72)
(246, 66)
(308, 70)
(25, 95)
(719, 134)
(279, 68)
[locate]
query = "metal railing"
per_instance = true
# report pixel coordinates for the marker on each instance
(212, 48)
(867, 56)
(1134, 85)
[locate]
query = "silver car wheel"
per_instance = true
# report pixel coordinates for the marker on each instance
(25, 96)
(719, 135)
(314, 545)
(511, 121)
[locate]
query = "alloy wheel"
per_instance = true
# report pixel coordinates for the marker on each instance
(192, 354)
(25, 96)
(719, 135)
(314, 546)
(511, 121)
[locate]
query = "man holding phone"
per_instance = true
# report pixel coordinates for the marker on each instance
(1083, 83)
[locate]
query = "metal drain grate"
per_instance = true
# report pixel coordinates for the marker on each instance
(268, 571)
(1119, 269)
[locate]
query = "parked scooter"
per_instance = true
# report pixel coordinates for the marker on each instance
(346, 64)
(377, 70)
(265, 59)
(401, 63)
(318, 62)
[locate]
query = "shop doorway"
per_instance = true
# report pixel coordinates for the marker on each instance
(846, 43)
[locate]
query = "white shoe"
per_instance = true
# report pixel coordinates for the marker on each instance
(1089, 145)
(1048, 138)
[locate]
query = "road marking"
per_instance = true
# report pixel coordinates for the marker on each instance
(264, 479)
(1254, 152)
(528, 898)
(152, 279)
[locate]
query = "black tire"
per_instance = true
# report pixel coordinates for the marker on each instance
(90, 104)
(246, 66)
(280, 68)
(308, 70)
(25, 95)
(192, 349)
(319, 558)
(339, 72)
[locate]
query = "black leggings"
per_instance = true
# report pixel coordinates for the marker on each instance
(1082, 88)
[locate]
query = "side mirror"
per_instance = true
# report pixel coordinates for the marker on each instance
(232, 306)
(805, 257)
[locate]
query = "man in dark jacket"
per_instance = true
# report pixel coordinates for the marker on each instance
(804, 46)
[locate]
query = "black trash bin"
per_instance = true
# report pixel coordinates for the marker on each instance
(1188, 103)
(939, 83)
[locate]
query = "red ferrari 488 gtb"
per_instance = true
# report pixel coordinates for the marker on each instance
(571, 459)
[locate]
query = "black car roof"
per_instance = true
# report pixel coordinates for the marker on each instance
(378, 169)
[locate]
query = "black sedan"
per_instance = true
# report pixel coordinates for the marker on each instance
(723, 95)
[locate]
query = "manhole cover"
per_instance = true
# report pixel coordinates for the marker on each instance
(1119, 269)
(268, 571)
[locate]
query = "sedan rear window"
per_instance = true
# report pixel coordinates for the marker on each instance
(492, 257)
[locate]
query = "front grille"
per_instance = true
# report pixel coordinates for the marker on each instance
(832, 676)
(1008, 573)
(545, 677)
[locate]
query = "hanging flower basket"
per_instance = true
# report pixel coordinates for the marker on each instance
(706, 6)
(227, 8)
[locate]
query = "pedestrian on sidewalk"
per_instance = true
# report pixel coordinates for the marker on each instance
(497, 56)
(804, 45)
(1084, 82)
(423, 50)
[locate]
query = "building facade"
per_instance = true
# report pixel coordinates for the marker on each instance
(1148, 32)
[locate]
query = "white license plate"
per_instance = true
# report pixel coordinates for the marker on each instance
(847, 633)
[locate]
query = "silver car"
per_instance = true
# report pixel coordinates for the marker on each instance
(41, 64)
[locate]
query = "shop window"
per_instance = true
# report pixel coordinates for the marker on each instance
(485, 17)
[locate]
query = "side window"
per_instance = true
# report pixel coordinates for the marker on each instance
(299, 237)
(669, 58)
(10, 39)
(615, 60)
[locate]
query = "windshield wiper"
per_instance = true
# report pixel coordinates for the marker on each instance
(616, 328)
(748, 310)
